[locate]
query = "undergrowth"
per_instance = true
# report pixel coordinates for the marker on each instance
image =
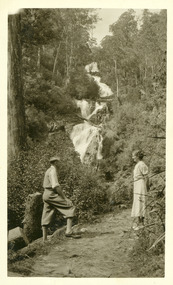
(146, 263)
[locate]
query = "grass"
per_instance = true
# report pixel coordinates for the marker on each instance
(147, 263)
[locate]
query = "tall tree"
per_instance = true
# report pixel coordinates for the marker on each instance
(151, 46)
(74, 48)
(119, 48)
(16, 113)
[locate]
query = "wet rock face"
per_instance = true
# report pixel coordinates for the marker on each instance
(91, 152)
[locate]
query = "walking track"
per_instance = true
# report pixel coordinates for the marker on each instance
(103, 251)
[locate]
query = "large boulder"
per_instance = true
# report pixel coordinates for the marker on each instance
(32, 218)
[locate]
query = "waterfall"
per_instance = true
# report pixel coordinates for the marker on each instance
(84, 107)
(86, 137)
(104, 89)
(97, 108)
(92, 67)
(82, 136)
(85, 134)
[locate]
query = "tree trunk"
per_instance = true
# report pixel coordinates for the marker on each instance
(57, 53)
(38, 58)
(145, 76)
(136, 79)
(71, 55)
(67, 63)
(16, 113)
(117, 83)
(140, 74)
(56, 58)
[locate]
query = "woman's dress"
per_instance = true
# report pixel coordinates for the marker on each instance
(140, 191)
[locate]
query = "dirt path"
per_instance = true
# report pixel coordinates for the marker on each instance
(103, 251)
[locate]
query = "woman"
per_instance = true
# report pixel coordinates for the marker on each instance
(140, 176)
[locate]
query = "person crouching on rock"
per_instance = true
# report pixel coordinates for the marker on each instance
(55, 199)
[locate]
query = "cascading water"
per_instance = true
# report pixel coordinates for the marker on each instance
(84, 107)
(86, 137)
(104, 89)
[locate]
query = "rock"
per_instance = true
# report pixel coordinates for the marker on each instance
(17, 239)
(32, 217)
(83, 230)
(122, 206)
(91, 151)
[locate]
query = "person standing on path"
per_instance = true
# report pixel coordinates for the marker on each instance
(55, 199)
(140, 176)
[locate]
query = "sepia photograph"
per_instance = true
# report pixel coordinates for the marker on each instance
(86, 142)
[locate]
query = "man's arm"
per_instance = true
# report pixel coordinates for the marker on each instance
(58, 189)
(56, 186)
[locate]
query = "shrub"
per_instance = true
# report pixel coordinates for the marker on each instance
(89, 196)
(149, 249)
(144, 263)
(26, 174)
(36, 123)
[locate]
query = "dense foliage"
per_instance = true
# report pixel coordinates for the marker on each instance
(56, 46)
(80, 183)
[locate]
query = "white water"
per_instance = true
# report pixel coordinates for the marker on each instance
(104, 89)
(97, 108)
(92, 67)
(86, 138)
(85, 133)
(82, 135)
(84, 107)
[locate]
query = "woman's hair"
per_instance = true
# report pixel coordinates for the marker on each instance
(138, 153)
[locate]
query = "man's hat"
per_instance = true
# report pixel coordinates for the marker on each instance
(54, 158)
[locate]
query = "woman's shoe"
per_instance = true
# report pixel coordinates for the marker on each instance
(134, 226)
(138, 228)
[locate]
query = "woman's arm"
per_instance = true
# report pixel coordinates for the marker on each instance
(145, 175)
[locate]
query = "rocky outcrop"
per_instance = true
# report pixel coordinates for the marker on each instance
(32, 218)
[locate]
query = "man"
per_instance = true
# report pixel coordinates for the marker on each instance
(54, 199)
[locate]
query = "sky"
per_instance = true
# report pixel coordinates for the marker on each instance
(109, 16)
